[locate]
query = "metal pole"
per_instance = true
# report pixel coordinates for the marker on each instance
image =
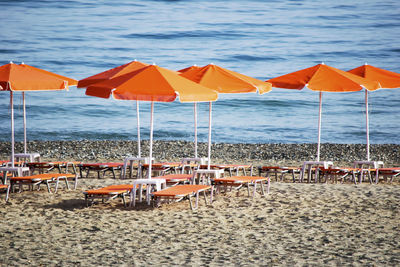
(138, 128)
(367, 122)
(319, 124)
(209, 134)
(24, 111)
(195, 130)
(151, 138)
(12, 128)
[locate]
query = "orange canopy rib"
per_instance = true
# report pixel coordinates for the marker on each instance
(387, 79)
(224, 80)
(71, 82)
(111, 73)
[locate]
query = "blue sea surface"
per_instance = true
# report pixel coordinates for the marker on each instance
(263, 39)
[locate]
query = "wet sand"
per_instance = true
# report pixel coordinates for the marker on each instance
(295, 225)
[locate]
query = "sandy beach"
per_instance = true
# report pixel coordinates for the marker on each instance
(295, 225)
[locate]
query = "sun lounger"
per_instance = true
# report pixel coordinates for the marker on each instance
(100, 167)
(239, 181)
(108, 193)
(46, 178)
(7, 188)
(31, 181)
(339, 173)
(49, 166)
(282, 171)
(387, 172)
(179, 192)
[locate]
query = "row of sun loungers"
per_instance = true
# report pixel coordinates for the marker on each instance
(180, 185)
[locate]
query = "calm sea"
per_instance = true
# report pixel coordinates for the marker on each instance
(263, 39)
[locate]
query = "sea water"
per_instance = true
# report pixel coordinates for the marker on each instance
(263, 39)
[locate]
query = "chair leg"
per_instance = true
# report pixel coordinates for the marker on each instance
(205, 197)
(48, 186)
(123, 199)
(255, 189)
(66, 182)
(76, 182)
(262, 188)
(8, 193)
(190, 202)
(56, 187)
(197, 199)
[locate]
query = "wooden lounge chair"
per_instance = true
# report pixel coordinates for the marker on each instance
(100, 167)
(7, 188)
(239, 181)
(179, 192)
(108, 193)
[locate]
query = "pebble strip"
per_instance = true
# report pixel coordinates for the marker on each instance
(91, 151)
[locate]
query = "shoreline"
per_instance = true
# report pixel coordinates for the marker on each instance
(277, 154)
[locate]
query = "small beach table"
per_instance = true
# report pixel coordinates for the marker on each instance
(15, 171)
(31, 157)
(154, 184)
(309, 166)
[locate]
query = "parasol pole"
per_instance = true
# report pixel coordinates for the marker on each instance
(138, 128)
(195, 129)
(24, 111)
(12, 128)
(209, 134)
(367, 122)
(319, 124)
(151, 138)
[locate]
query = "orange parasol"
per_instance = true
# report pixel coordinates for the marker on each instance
(323, 78)
(152, 83)
(223, 81)
(23, 78)
(113, 73)
(387, 79)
